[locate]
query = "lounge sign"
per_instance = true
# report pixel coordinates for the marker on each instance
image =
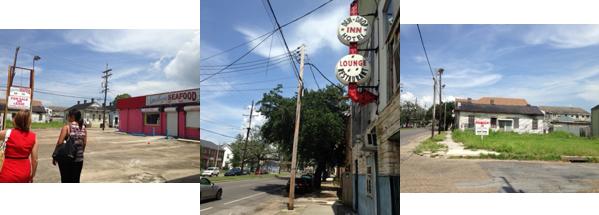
(352, 68)
(353, 29)
(19, 98)
(179, 97)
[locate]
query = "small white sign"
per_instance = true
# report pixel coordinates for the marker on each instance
(352, 68)
(19, 98)
(353, 29)
(482, 126)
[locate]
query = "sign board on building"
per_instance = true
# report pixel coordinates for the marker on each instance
(353, 29)
(19, 98)
(482, 126)
(352, 68)
(179, 97)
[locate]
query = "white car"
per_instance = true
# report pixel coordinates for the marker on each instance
(211, 171)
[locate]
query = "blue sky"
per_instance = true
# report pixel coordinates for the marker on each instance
(544, 64)
(142, 61)
(225, 25)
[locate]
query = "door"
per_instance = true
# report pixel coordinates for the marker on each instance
(505, 125)
(171, 124)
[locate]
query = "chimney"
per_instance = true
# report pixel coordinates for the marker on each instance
(78, 102)
(469, 100)
(92, 100)
(492, 101)
(85, 101)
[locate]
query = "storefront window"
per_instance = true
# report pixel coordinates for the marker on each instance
(152, 118)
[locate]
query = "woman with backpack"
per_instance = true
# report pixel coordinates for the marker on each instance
(20, 153)
(70, 163)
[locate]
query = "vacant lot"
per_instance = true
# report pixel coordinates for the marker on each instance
(431, 144)
(112, 156)
(530, 146)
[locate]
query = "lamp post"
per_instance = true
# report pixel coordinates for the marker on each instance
(440, 71)
(35, 58)
(444, 112)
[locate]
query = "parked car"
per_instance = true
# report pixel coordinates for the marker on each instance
(211, 171)
(209, 190)
(233, 172)
(260, 172)
(302, 185)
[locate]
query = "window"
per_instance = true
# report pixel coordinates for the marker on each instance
(493, 122)
(535, 124)
(94, 117)
(204, 181)
(471, 121)
(39, 117)
(152, 118)
(369, 182)
(516, 122)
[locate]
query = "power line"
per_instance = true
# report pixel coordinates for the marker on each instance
(425, 54)
(325, 77)
(284, 41)
(214, 132)
(249, 82)
(265, 34)
(244, 90)
(239, 58)
(260, 61)
(245, 69)
(220, 124)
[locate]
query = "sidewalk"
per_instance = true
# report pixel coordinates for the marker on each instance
(457, 149)
(323, 203)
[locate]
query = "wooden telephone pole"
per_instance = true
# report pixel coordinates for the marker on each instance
(105, 91)
(247, 136)
(11, 73)
(298, 107)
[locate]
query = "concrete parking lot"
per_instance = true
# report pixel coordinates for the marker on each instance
(113, 156)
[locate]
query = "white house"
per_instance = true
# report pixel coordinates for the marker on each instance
(227, 156)
(505, 114)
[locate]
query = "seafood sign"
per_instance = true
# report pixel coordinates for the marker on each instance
(179, 97)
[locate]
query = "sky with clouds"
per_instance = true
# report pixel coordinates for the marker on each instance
(544, 64)
(142, 61)
(226, 98)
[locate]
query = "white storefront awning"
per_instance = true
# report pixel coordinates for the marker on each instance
(192, 108)
(170, 109)
(150, 110)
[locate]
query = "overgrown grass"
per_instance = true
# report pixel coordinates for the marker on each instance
(516, 146)
(38, 125)
(431, 144)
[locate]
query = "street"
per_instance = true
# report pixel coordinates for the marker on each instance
(246, 196)
(424, 174)
(112, 156)
(408, 134)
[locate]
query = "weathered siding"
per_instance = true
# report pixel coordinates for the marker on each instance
(595, 121)
(525, 121)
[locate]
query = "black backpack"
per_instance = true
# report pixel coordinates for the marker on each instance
(67, 150)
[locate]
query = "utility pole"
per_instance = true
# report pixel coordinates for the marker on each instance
(247, 136)
(298, 107)
(11, 75)
(434, 105)
(105, 91)
(440, 96)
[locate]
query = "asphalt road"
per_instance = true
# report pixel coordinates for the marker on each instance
(244, 197)
(406, 135)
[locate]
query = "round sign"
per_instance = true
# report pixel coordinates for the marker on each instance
(352, 68)
(353, 29)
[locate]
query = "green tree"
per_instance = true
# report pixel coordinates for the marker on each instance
(256, 150)
(120, 96)
(449, 107)
(322, 128)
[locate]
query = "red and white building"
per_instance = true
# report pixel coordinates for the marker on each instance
(175, 114)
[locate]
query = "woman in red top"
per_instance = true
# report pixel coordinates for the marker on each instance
(20, 160)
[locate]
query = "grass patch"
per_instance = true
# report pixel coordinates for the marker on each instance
(514, 146)
(431, 144)
(38, 125)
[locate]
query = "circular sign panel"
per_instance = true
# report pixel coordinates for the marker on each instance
(352, 68)
(353, 29)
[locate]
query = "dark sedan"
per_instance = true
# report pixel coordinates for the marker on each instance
(302, 185)
(233, 172)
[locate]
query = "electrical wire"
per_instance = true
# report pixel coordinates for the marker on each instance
(238, 59)
(260, 61)
(325, 77)
(214, 132)
(246, 69)
(425, 54)
(285, 42)
(248, 83)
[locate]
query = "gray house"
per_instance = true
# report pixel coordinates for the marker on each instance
(569, 119)
(595, 121)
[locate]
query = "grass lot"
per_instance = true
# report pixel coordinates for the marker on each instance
(511, 145)
(431, 144)
(37, 125)
(222, 178)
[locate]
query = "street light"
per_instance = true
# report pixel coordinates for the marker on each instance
(444, 112)
(35, 58)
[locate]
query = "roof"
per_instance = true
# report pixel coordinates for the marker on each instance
(38, 107)
(208, 144)
(563, 110)
(596, 107)
(83, 106)
(57, 108)
(497, 101)
(505, 109)
(569, 120)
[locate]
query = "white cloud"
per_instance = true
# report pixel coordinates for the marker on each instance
(563, 36)
(185, 67)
